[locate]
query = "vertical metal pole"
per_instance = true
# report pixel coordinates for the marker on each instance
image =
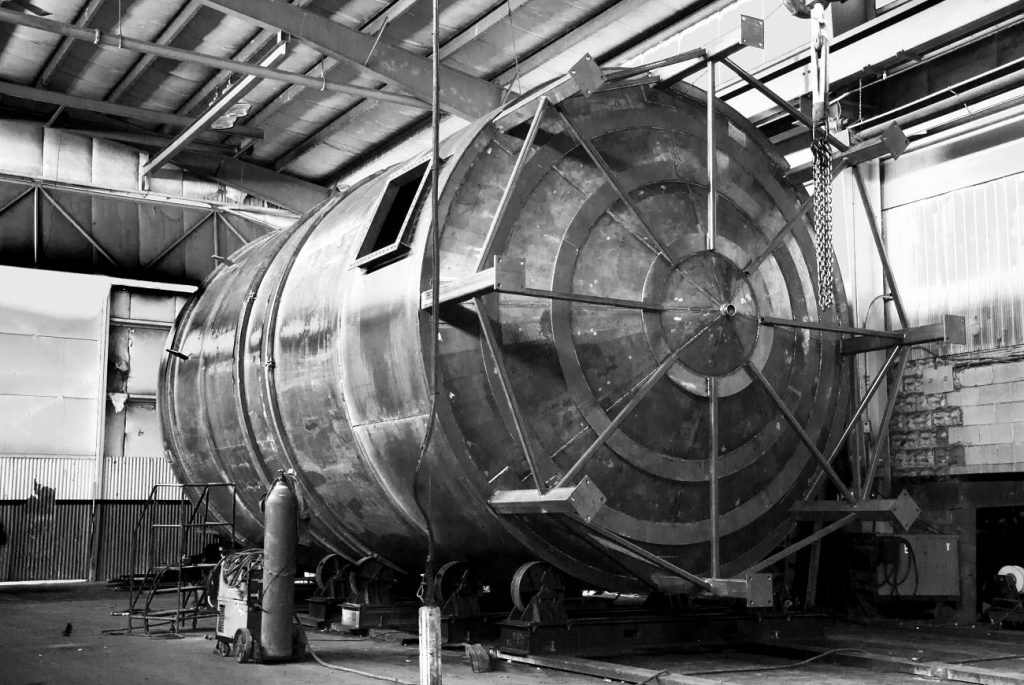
(96, 519)
(35, 226)
(883, 254)
(712, 161)
(713, 474)
(856, 442)
(430, 614)
(216, 237)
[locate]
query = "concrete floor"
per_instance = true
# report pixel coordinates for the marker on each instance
(33, 651)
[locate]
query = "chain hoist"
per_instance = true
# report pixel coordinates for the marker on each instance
(821, 152)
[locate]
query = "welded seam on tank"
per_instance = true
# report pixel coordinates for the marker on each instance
(202, 375)
(166, 410)
(269, 388)
(256, 457)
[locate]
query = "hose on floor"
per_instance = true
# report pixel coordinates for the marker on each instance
(343, 669)
(780, 667)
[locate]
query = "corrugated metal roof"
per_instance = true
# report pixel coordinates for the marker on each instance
(308, 133)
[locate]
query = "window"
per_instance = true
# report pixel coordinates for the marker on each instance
(390, 233)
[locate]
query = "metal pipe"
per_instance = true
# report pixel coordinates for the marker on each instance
(712, 162)
(883, 256)
(518, 422)
(713, 475)
(829, 328)
(761, 88)
(98, 37)
(868, 395)
(883, 429)
(638, 397)
(650, 557)
(513, 178)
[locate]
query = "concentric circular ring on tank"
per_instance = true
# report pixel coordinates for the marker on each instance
(573, 365)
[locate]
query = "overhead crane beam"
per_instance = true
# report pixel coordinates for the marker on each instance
(461, 94)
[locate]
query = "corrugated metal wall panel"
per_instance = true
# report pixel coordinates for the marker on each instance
(118, 521)
(132, 478)
(963, 253)
(46, 540)
(50, 540)
(68, 478)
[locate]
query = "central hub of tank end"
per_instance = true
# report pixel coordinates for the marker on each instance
(728, 309)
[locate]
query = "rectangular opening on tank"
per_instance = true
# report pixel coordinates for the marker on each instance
(390, 232)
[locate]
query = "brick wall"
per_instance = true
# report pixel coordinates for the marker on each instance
(957, 417)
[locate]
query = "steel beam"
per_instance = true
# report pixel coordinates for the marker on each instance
(898, 336)
(883, 429)
(280, 189)
(57, 56)
(890, 142)
(76, 102)
(650, 557)
(854, 421)
(712, 384)
(167, 35)
(952, 329)
(461, 94)
(215, 110)
(797, 546)
(510, 184)
(902, 510)
(712, 161)
(190, 56)
(327, 66)
(506, 272)
(582, 500)
(518, 421)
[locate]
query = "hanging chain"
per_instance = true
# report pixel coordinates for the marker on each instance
(822, 178)
(821, 155)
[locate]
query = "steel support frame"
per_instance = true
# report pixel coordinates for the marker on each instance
(710, 58)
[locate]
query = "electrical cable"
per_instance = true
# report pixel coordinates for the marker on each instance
(781, 667)
(343, 669)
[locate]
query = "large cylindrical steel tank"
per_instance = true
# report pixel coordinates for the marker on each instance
(300, 358)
